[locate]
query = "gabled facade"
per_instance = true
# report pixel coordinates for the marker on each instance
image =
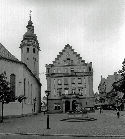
(105, 85)
(70, 82)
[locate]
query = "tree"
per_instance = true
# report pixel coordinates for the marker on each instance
(119, 86)
(5, 91)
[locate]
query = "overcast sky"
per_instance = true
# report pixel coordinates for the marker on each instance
(94, 28)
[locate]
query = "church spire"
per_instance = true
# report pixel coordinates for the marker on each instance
(30, 35)
(30, 15)
(30, 27)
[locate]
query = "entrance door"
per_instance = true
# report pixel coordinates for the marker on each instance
(67, 106)
(74, 105)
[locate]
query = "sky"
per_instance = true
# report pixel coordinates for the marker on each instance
(94, 28)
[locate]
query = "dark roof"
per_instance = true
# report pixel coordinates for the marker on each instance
(6, 55)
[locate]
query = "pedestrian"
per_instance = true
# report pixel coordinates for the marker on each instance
(118, 113)
(100, 110)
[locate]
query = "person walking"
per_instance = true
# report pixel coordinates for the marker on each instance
(100, 110)
(118, 113)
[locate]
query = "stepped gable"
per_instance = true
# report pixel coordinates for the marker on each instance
(4, 53)
(71, 49)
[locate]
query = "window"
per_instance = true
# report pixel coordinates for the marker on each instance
(27, 49)
(48, 70)
(89, 68)
(66, 91)
(59, 82)
(84, 80)
(57, 107)
(65, 63)
(54, 82)
(73, 91)
(72, 62)
(33, 50)
(72, 69)
(68, 61)
(85, 85)
(80, 90)
(31, 93)
(79, 80)
(84, 69)
(65, 81)
(28, 93)
(24, 86)
(66, 70)
(54, 92)
(59, 91)
(68, 58)
(58, 70)
(54, 71)
(13, 85)
(73, 80)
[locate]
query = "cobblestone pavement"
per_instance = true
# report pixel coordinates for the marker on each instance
(107, 124)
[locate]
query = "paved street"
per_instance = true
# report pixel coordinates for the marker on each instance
(107, 124)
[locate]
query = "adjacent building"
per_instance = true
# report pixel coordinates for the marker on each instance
(105, 85)
(69, 82)
(23, 75)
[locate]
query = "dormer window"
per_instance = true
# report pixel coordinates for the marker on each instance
(68, 58)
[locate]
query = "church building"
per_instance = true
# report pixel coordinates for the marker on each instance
(23, 75)
(69, 82)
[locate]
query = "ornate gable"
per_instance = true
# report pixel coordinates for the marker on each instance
(4, 53)
(68, 57)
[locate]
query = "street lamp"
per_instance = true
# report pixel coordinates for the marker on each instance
(47, 92)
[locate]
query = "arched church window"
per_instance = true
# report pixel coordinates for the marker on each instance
(13, 84)
(33, 50)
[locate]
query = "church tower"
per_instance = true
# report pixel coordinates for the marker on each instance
(30, 49)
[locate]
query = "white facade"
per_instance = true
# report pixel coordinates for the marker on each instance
(32, 89)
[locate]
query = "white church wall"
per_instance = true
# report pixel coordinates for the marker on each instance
(13, 68)
(32, 92)
(15, 108)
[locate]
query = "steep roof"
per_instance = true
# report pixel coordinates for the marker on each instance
(68, 49)
(4, 53)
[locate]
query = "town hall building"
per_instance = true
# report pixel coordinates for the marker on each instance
(23, 75)
(69, 82)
